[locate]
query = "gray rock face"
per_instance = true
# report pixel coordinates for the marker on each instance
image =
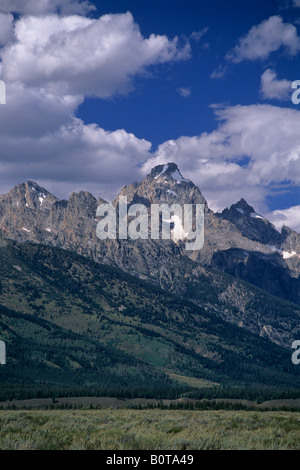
(165, 184)
(290, 246)
(252, 225)
(24, 212)
(232, 239)
(269, 272)
(238, 241)
(285, 247)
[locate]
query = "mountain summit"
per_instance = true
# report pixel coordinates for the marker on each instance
(164, 184)
(169, 170)
(252, 225)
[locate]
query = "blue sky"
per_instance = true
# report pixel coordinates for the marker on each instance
(99, 92)
(156, 110)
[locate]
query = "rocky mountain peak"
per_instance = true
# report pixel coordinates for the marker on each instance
(164, 184)
(81, 204)
(243, 207)
(251, 224)
(26, 196)
(168, 171)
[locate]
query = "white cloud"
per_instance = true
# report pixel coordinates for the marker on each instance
(76, 155)
(33, 112)
(254, 148)
(197, 35)
(219, 72)
(44, 7)
(296, 3)
(265, 38)
(78, 55)
(184, 92)
(289, 217)
(51, 65)
(272, 88)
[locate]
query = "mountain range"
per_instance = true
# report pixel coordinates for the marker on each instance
(227, 313)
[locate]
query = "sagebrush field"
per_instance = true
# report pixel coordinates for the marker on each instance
(148, 430)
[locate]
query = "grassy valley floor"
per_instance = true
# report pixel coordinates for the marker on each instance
(112, 429)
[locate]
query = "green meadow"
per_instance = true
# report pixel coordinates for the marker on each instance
(156, 429)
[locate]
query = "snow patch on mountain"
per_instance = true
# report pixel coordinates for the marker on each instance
(254, 215)
(177, 232)
(284, 254)
(177, 176)
(165, 167)
(287, 254)
(172, 192)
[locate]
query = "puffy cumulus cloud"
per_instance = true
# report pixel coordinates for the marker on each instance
(33, 112)
(272, 88)
(78, 55)
(6, 28)
(265, 38)
(50, 66)
(44, 7)
(253, 149)
(74, 156)
(289, 217)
